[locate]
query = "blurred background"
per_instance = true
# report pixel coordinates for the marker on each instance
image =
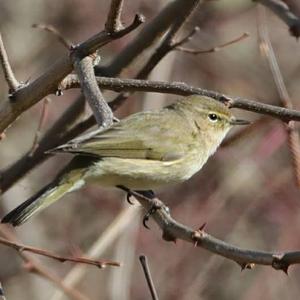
(246, 193)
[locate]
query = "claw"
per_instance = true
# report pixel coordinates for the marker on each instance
(145, 220)
(150, 212)
(128, 198)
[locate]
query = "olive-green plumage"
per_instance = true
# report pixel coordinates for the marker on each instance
(141, 152)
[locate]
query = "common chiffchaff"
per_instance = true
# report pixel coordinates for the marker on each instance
(141, 152)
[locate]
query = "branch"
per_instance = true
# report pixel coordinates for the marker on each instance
(10, 78)
(292, 134)
(35, 267)
(173, 230)
(42, 120)
(54, 31)
(47, 83)
(84, 69)
(146, 269)
(113, 22)
(82, 260)
(279, 8)
(181, 88)
(214, 49)
(148, 35)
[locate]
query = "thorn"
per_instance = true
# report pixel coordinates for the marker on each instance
(285, 269)
(279, 264)
(245, 266)
(168, 237)
(197, 234)
(202, 226)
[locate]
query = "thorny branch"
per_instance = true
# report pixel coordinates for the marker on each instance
(173, 230)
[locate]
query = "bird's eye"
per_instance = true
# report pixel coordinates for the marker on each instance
(213, 117)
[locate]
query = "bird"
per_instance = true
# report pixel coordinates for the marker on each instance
(143, 151)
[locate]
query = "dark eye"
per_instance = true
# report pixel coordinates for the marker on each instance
(213, 117)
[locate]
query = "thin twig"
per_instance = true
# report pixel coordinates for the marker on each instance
(146, 269)
(183, 89)
(54, 31)
(292, 133)
(21, 248)
(42, 120)
(187, 38)
(36, 267)
(10, 78)
(113, 22)
(281, 9)
(85, 70)
(213, 49)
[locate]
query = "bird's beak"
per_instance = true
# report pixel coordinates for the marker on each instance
(239, 122)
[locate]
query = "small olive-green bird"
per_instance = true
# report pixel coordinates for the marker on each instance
(143, 151)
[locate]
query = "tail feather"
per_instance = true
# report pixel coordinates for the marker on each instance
(36, 203)
(70, 179)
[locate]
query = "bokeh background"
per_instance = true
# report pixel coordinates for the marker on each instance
(246, 193)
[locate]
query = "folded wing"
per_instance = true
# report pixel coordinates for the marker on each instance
(149, 137)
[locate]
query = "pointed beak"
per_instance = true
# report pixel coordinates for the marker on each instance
(239, 122)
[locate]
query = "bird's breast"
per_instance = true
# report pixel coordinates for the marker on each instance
(142, 174)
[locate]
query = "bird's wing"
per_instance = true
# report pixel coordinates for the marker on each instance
(134, 137)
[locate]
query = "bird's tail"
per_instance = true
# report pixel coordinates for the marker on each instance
(71, 180)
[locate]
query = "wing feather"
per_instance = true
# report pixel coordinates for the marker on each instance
(130, 138)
